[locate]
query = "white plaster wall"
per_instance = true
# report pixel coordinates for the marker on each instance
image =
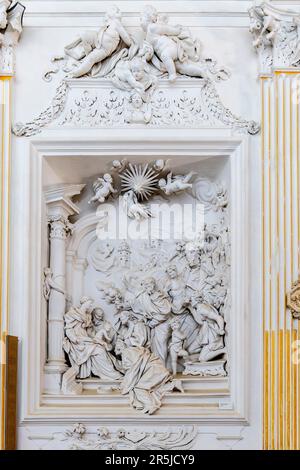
(222, 27)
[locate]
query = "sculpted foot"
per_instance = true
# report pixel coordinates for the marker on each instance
(172, 77)
(178, 385)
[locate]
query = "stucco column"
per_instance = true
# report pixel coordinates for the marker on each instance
(59, 208)
(59, 230)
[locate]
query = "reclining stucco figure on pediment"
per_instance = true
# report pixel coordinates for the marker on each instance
(127, 70)
(168, 49)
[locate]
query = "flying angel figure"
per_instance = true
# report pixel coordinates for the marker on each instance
(103, 188)
(175, 184)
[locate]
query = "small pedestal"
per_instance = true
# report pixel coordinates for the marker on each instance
(205, 369)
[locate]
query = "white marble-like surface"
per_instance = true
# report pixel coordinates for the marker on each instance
(224, 34)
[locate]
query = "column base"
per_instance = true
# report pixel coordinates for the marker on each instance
(53, 373)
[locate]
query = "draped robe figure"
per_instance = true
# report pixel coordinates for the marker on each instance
(131, 332)
(86, 353)
(210, 341)
(146, 379)
(153, 304)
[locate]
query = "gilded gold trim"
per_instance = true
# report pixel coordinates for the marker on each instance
(281, 258)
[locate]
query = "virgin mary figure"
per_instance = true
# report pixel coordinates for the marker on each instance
(90, 355)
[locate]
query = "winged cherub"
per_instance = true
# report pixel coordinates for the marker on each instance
(93, 47)
(102, 187)
(175, 184)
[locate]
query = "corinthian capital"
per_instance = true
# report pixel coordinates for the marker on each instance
(60, 227)
(11, 19)
(276, 36)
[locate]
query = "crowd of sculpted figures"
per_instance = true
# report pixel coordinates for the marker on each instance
(166, 301)
(169, 308)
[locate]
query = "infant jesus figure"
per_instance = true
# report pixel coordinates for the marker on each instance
(104, 335)
(176, 345)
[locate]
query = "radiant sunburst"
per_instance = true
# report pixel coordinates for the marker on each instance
(141, 179)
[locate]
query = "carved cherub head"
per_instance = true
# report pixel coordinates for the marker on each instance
(108, 178)
(137, 67)
(112, 295)
(162, 183)
(136, 100)
(149, 15)
(113, 12)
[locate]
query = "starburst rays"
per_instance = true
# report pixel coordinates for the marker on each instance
(140, 179)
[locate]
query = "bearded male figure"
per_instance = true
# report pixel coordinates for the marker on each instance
(155, 306)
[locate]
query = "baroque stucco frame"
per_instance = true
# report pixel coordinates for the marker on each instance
(158, 144)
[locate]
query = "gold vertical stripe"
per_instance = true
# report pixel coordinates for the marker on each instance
(266, 391)
(294, 401)
(281, 226)
(280, 397)
(273, 388)
(288, 391)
